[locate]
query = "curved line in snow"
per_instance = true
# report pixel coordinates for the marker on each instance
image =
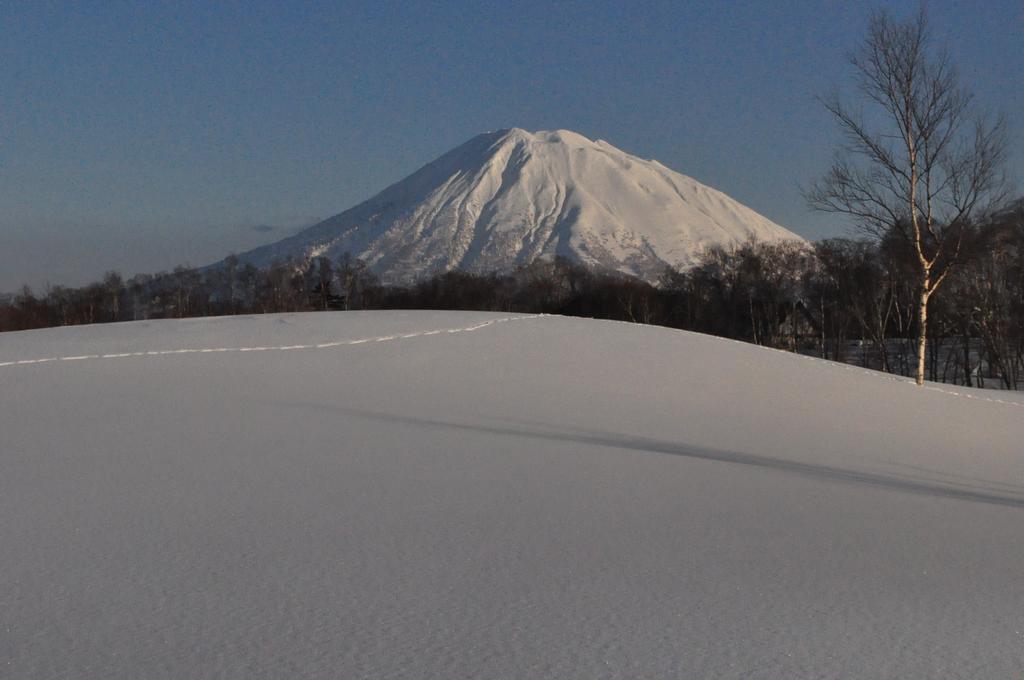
(278, 348)
(469, 329)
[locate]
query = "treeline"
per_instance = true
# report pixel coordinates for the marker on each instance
(841, 299)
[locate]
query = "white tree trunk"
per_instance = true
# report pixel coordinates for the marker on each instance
(922, 329)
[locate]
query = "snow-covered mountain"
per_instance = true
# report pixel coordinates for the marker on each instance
(506, 198)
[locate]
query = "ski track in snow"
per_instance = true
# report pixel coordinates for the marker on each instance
(278, 348)
(469, 329)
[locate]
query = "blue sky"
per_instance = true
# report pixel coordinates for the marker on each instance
(140, 135)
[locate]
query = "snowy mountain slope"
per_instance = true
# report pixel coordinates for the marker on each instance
(439, 494)
(505, 198)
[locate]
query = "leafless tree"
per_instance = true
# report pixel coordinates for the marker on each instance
(917, 161)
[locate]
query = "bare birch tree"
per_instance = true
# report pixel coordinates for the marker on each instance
(916, 160)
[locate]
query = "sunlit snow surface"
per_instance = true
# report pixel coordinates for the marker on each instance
(521, 498)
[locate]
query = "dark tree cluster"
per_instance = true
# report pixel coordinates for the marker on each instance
(841, 299)
(231, 288)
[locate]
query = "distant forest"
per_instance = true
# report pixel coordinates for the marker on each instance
(841, 299)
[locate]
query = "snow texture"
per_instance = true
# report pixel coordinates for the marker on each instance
(506, 198)
(457, 494)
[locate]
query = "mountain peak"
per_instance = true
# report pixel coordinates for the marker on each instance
(560, 136)
(508, 197)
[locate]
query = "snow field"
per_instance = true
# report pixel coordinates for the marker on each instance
(551, 497)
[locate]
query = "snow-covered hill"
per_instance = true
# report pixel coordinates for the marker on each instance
(455, 495)
(505, 198)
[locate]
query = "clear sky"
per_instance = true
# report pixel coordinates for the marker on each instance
(140, 135)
